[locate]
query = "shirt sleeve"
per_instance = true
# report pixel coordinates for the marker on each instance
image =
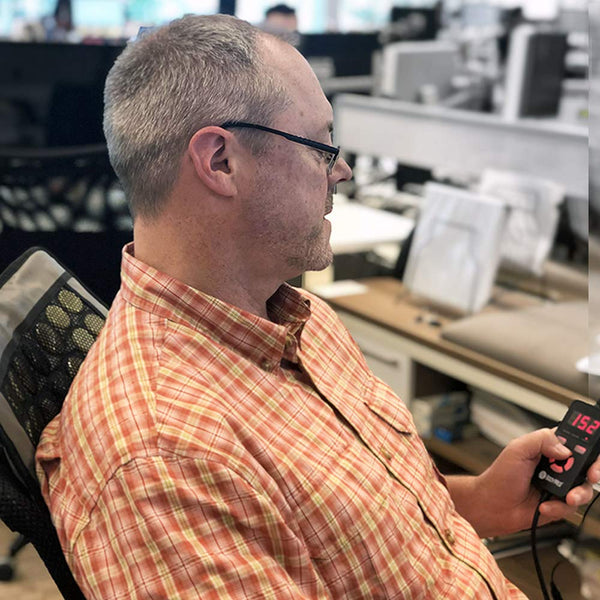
(185, 528)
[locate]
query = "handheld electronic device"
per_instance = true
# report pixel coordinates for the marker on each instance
(580, 432)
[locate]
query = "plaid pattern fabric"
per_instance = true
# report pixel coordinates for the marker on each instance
(205, 453)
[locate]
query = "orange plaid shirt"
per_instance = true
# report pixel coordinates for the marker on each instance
(204, 452)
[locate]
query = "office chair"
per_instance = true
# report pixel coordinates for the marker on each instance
(69, 201)
(71, 187)
(48, 322)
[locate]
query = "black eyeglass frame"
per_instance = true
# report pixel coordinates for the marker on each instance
(333, 150)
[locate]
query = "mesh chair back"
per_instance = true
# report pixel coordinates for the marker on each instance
(48, 322)
(61, 189)
(69, 201)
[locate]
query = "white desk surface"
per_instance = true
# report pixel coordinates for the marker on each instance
(359, 228)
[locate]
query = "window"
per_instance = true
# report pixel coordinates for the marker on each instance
(312, 14)
(102, 17)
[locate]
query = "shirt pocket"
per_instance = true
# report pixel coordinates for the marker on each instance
(394, 439)
(381, 401)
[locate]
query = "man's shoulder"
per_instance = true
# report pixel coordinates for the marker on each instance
(144, 362)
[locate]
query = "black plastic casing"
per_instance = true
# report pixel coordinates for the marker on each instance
(580, 432)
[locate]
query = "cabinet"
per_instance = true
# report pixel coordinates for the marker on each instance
(403, 346)
(398, 336)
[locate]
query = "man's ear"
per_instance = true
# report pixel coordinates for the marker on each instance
(211, 151)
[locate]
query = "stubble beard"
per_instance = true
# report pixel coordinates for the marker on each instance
(318, 253)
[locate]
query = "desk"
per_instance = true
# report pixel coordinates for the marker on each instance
(355, 83)
(462, 141)
(397, 339)
(395, 336)
(359, 228)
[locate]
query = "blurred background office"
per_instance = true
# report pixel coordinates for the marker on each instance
(461, 245)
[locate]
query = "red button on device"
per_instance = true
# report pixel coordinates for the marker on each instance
(561, 466)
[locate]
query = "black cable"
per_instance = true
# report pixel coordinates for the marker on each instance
(585, 514)
(538, 569)
(556, 595)
(536, 559)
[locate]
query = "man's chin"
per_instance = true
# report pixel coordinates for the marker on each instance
(322, 262)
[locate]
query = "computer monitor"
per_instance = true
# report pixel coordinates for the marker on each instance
(534, 73)
(51, 94)
(407, 68)
(421, 23)
(352, 53)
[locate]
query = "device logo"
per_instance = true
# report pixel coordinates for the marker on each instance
(557, 482)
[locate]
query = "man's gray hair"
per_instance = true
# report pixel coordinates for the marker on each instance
(195, 71)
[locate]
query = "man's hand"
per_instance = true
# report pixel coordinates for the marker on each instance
(503, 500)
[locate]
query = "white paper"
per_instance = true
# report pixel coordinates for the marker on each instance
(456, 248)
(345, 287)
(532, 218)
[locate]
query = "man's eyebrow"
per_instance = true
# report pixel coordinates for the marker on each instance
(328, 127)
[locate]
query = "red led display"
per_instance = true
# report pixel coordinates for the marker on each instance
(584, 422)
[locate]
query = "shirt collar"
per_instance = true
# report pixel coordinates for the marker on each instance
(260, 340)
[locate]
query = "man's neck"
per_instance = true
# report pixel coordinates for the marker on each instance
(212, 273)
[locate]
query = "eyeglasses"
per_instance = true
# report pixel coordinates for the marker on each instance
(332, 151)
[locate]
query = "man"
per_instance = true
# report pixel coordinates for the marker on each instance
(282, 22)
(225, 438)
(281, 17)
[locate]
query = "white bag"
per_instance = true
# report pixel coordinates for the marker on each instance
(456, 248)
(532, 217)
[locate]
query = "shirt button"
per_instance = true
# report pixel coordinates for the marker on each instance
(386, 453)
(449, 537)
(266, 364)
